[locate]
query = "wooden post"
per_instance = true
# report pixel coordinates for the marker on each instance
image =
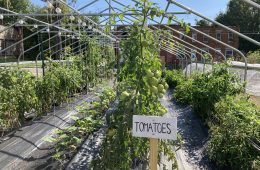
(153, 153)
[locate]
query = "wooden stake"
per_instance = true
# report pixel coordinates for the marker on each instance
(153, 153)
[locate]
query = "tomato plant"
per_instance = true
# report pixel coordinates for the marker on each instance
(140, 86)
(234, 130)
(17, 96)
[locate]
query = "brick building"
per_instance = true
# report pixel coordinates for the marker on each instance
(9, 37)
(214, 31)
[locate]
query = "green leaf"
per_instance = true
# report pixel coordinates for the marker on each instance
(49, 139)
(121, 17)
(145, 44)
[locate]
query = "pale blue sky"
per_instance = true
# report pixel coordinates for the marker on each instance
(209, 8)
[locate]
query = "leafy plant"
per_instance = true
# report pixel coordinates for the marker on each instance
(254, 57)
(234, 132)
(203, 90)
(91, 117)
(174, 77)
(140, 86)
(17, 96)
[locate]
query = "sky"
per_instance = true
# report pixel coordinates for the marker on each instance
(209, 8)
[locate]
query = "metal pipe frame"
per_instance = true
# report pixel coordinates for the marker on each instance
(183, 41)
(254, 4)
(48, 25)
(180, 51)
(87, 18)
(215, 22)
(218, 41)
(174, 53)
(214, 39)
(33, 48)
(190, 57)
(185, 52)
(75, 14)
(189, 44)
(191, 50)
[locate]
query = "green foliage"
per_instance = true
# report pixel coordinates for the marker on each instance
(17, 96)
(234, 127)
(202, 23)
(253, 57)
(57, 85)
(174, 77)
(212, 86)
(90, 119)
(203, 90)
(244, 16)
(184, 91)
(233, 120)
(140, 86)
(21, 92)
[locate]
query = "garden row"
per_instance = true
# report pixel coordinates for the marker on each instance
(21, 92)
(217, 97)
(90, 118)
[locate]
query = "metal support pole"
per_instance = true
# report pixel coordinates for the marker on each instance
(42, 57)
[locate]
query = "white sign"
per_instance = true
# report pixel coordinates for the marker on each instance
(155, 127)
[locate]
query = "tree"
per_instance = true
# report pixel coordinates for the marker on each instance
(202, 22)
(245, 17)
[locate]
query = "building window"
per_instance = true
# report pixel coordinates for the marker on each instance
(230, 36)
(218, 36)
(194, 37)
(205, 38)
(181, 35)
(229, 53)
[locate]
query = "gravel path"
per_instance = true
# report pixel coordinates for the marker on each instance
(194, 135)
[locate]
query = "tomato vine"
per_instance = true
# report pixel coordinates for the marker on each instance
(140, 87)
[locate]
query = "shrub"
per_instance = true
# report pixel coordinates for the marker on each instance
(234, 125)
(57, 85)
(17, 96)
(210, 87)
(254, 57)
(203, 90)
(183, 91)
(174, 77)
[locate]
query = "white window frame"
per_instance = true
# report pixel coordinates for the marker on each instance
(232, 53)
(194, 36)
(207, 39)
(230, 38)
(219, 33)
